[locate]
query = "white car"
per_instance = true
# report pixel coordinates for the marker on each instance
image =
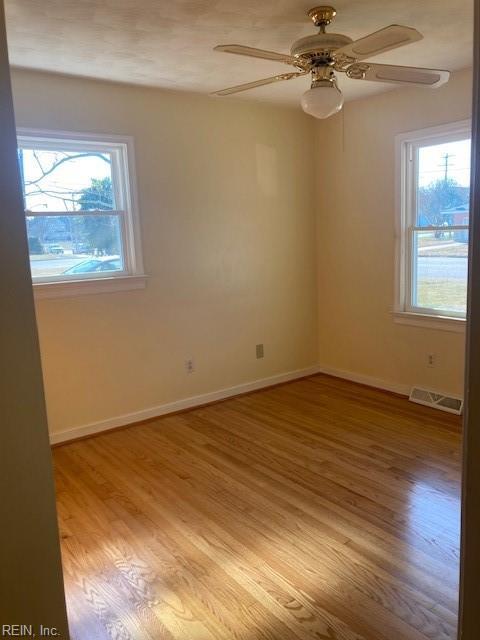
(92, 265)
(55, 250)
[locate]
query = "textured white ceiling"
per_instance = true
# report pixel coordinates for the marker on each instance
(169, 43)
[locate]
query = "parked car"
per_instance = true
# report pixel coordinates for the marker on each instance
(108, 263)
(55, 249)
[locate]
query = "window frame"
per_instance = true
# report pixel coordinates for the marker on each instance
(122, 151)
(406, 152)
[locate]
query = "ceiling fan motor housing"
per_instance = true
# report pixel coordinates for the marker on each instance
(319, 48)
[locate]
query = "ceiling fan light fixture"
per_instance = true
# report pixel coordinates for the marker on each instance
(323, 100)
(324, 53)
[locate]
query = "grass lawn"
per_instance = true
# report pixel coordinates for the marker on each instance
(442, 294)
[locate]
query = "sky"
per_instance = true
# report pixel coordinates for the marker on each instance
(432, 162)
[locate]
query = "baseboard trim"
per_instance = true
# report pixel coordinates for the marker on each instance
(369, 381)
(193, 402)
(180, 405)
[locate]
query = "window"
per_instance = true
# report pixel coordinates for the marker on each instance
(434, 215)
(80, 209)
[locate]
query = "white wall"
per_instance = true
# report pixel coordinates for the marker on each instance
(228, 196)
(227, 209)
(356, 240)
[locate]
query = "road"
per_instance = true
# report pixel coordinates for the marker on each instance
(60, 263)
(439, 267)
(54, 266)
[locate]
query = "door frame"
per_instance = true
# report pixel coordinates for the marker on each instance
(469, 611)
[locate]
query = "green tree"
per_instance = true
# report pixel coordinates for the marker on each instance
(98, 196)
(99, 232)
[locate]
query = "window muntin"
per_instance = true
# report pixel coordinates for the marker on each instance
(79, 207)
(435, 222)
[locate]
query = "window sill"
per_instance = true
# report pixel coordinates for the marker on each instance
(64, 289)
(427, 321)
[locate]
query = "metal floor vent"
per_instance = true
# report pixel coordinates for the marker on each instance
(437, 400)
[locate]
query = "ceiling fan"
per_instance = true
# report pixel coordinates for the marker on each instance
(325, 53)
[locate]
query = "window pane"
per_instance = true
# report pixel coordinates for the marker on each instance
(440, 270)
(443, 184)
(66, 180)
(87, 246)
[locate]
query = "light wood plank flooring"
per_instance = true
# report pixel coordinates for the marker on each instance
(318, 510)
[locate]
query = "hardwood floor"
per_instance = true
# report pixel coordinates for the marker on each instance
(318, 510)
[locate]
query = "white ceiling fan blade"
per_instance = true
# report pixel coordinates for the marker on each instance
(386, 39)
(258, 83)
(252, 52)
(397, 74)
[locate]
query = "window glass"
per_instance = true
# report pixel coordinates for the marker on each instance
(440, 270)
(439, 255)
(66, 180)
(443, 184)
(75, 244)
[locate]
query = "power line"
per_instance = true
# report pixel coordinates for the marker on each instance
(456, 169)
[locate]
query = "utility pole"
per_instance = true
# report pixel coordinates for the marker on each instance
(446, 161)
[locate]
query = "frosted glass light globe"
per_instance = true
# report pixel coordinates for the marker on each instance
(322, 101)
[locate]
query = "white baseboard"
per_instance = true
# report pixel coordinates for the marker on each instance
(378, 383)
(179, 405)
(222, 394)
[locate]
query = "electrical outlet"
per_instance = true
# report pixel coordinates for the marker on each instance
(431, 360)
(189, 366)
(259, 351)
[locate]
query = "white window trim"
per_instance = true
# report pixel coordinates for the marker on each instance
(403, 313)
(63, 289)
(133, 276)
